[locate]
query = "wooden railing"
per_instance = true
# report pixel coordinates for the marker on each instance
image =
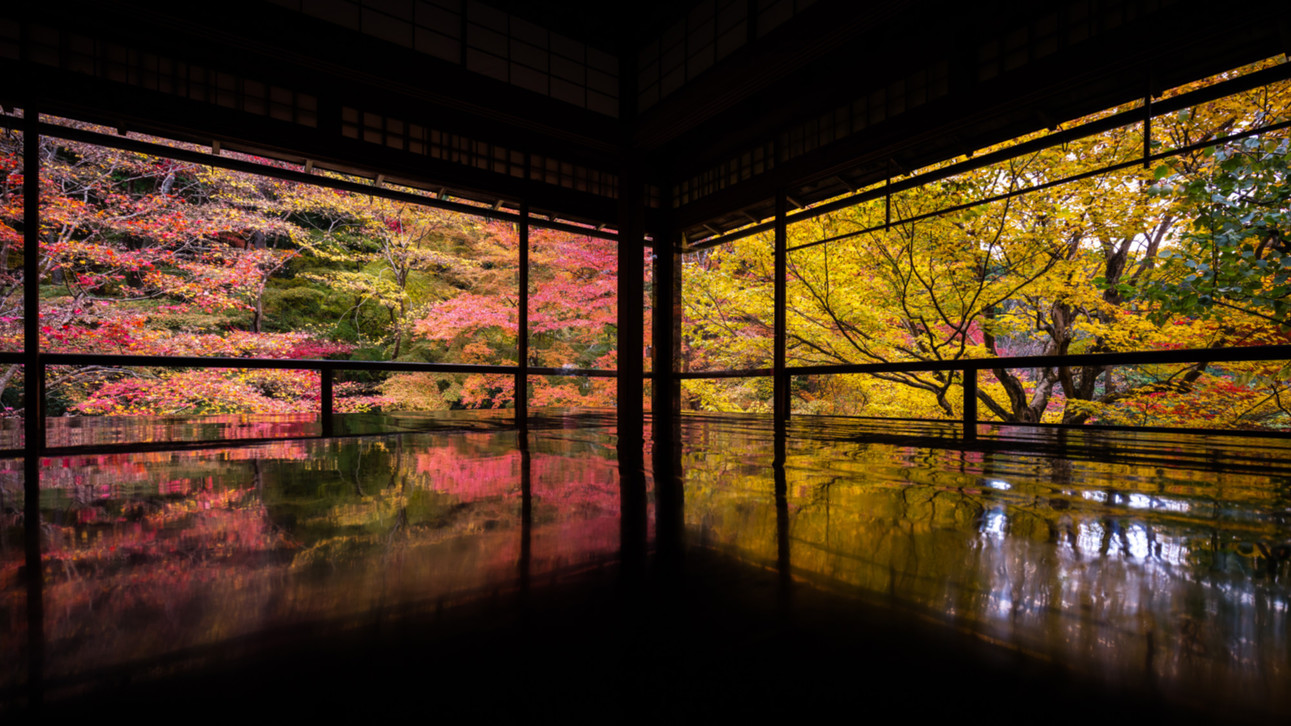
(327, 369)
(969, 367)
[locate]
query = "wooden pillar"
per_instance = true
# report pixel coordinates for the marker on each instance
(522, 328)
(781, 383)
(665, 322)
(631, 312)
(326, 403)
(633, 200)
(970, 404)
(33, 390)
(33, 406)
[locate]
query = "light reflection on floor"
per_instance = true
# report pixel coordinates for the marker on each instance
(1136, 557)
(1144, 562)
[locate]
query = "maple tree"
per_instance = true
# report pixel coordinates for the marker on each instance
(1238, 253)
(146, 255)
(11, 241)
(1049, 271)
(572, 320)
(142, 254)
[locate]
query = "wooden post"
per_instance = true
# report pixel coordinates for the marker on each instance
(781, 383)
(522, 329)
(326, 407)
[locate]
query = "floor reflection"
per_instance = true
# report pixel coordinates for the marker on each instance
(1142, 559)
(1154, 568)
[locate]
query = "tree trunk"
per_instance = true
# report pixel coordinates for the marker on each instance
(257, 316)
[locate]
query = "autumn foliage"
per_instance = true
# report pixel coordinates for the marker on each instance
(145, 255)
(1038, 255)
(1049, 252)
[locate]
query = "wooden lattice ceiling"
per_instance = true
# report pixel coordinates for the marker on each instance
(719, 103)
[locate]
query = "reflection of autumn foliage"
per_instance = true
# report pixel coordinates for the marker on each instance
(1111, 567)
(148, 553)
(13, 602)
(460, 470)
(114, 560)
(576, 506)
(182, 522)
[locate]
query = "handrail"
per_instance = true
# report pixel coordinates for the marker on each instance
(970, 366)
(1138, 357)
(967, 366)
(325, 366)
